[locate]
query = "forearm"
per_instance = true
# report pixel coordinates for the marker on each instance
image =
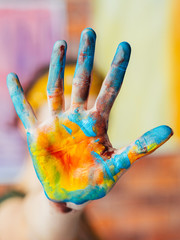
(47, 220)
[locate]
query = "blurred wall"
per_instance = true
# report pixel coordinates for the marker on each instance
(149, 95)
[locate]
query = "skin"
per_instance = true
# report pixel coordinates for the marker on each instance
(71, 152)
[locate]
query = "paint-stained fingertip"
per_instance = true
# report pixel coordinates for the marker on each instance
(122, 55)
(12, 79)
(126, 48)
(149, 142)
(153, 139)
(162, 134)
(60, 44)
(89, 32)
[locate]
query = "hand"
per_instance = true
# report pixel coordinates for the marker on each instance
(72, 155)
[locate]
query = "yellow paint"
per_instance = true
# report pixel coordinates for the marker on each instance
(175, 61)
(64, 160)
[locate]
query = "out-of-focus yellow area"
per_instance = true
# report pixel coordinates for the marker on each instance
(150, 95)
(175, 62)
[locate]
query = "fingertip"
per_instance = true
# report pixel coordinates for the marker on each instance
(163, 133)
(125, 48)
(154, 138)
(11, 79)
(89, 30)
(11, 76)
(149, 142)
(122, 55)
(60, 44)
(89, 33)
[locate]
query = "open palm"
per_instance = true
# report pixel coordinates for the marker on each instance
(71, 152)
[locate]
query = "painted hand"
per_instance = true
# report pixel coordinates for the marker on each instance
(71, 152)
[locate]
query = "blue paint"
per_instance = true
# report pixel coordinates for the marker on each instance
(99, 159)
(80, 196)
(123, 52)
(86, 124)
(157, 135)
(142, 145)
(82, 75)
(119, 65)
(97, 140)
(67, 129)
(76, 110)
(120, 161)
(21, 105)
(86, 48)
(57, 65)
(114, 79)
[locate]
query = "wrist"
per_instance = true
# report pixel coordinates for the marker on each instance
(46, 219)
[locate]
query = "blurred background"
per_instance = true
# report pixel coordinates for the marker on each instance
(145, 204)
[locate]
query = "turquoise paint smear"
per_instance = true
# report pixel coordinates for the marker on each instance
(97, 140)
(85, 124)
(120, 161)
(155, 136)
(67, 129)
(85, 59)
(87, 52)
(80, 196)
(119, 65)
(57, 66)
(99, 159)
(19, 101)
